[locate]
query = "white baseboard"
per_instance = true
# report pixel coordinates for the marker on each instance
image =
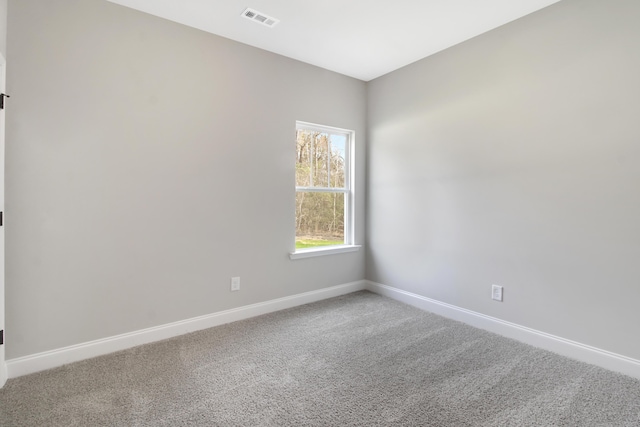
(565, 347)
(3, 372)
(54, 358)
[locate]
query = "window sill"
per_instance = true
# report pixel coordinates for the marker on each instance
(327, 250)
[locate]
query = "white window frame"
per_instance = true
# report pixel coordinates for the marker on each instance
(349, 211)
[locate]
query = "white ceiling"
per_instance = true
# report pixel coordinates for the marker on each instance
(359, 38)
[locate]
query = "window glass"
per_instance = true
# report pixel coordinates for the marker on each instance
(323, 196)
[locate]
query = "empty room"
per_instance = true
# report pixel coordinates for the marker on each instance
(334, 213)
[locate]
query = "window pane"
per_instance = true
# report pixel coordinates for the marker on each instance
(320, 159)
(304, 141)
(319, 219)
(338, 149)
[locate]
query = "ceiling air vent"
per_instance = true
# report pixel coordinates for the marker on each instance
(260, 17)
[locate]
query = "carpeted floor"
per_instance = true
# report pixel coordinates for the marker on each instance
(356, 360)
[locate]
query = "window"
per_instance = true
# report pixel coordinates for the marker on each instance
(324, 196)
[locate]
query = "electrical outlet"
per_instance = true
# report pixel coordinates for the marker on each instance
(235, 283)
(496, 292)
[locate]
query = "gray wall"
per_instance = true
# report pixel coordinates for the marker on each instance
(514, 159)
(147, 163)
(3, 28)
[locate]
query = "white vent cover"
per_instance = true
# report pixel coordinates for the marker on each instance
(260, 17)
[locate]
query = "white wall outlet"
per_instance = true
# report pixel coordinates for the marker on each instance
(235, 283)
(496, 292)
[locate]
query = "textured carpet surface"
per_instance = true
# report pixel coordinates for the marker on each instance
(356, 360)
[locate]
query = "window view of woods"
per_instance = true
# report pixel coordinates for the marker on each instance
(321, 188)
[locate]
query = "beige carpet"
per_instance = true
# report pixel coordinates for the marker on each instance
(357, 360)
